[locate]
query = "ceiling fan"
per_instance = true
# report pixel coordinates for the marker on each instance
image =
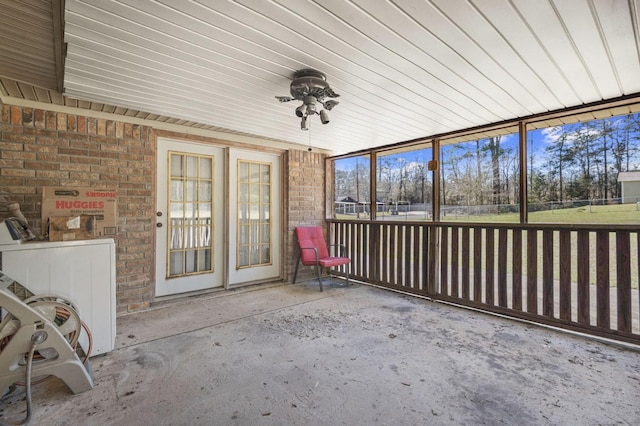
(311, 87)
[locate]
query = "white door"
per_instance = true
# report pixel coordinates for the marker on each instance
(190, 248)
(255, 216)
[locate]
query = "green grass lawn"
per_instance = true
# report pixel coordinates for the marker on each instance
(615, 214)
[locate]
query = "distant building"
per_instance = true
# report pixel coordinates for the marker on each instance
(346, 205)
(629, 186)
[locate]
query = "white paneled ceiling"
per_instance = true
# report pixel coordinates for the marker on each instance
(404, 69)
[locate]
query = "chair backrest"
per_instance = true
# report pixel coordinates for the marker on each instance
(311, 236)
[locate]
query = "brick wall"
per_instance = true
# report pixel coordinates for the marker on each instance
(305, 194)
(44, 148)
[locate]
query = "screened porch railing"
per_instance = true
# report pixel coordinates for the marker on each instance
(583, 278)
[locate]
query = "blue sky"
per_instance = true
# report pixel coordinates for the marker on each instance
(538, 140)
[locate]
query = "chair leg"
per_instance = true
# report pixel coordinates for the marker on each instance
(295, 274)
(319, 277)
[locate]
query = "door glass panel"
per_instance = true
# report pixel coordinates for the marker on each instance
(191, 261)
(266, 234)
(265, 172)
(254, 194)
(243, 237)
(265, 253)
(204, 262)
(176, 165)
(243, 255)
(191, 192)
(175, 263)
(192, 166)
(176, 189)
(190, 225)
(253, 220)
(243, 193)
(206, 169)
(243, 172)
(204, 193)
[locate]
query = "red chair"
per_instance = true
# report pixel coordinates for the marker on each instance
(314, 251)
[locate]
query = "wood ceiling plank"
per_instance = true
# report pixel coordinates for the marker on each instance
(585, 35)
(360, 68)
(617, 26)
(398, 58)
(549, 30)
(426, 29)
(480, 32)
(517, 31)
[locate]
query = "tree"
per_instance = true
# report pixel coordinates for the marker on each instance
(559, 154)
(496, 153)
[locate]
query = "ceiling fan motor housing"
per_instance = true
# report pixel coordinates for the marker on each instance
(310, 82)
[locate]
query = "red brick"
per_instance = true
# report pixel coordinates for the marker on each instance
(27, 116)
(51, 120)
(17, 172)
(72, 123)
(102, 127)
(91, 126)
(62, 122)
(41, 165)
(6, 114)
(16, 116)
(39, 119)
(82, 124)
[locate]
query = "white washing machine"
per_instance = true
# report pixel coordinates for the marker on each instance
(82, 272)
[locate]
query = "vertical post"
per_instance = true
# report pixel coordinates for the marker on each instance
(373, 181)
(524, 197)
(374, 237)
(435, 192)
(434, 284)
(329, 185)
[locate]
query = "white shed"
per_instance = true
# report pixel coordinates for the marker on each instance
(630, 186)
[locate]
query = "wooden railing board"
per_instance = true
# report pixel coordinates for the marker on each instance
(547, 273)
(532, 271)
(466, 255)
(477, 264)
(444, 261)
(516, 249)
(502, 267)
(489, 267)
(457, 263)
(623, 282)
(565, 275)
(602, 279)
(583, 284)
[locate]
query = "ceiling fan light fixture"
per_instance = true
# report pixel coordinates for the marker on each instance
(324, 116)
(303, 124)
(301, 111)
(310, 102)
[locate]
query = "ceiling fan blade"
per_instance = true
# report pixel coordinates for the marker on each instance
(330, 93)
(284, 98)
(328, 105)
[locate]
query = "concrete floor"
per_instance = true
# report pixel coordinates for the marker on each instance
(290, 355)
